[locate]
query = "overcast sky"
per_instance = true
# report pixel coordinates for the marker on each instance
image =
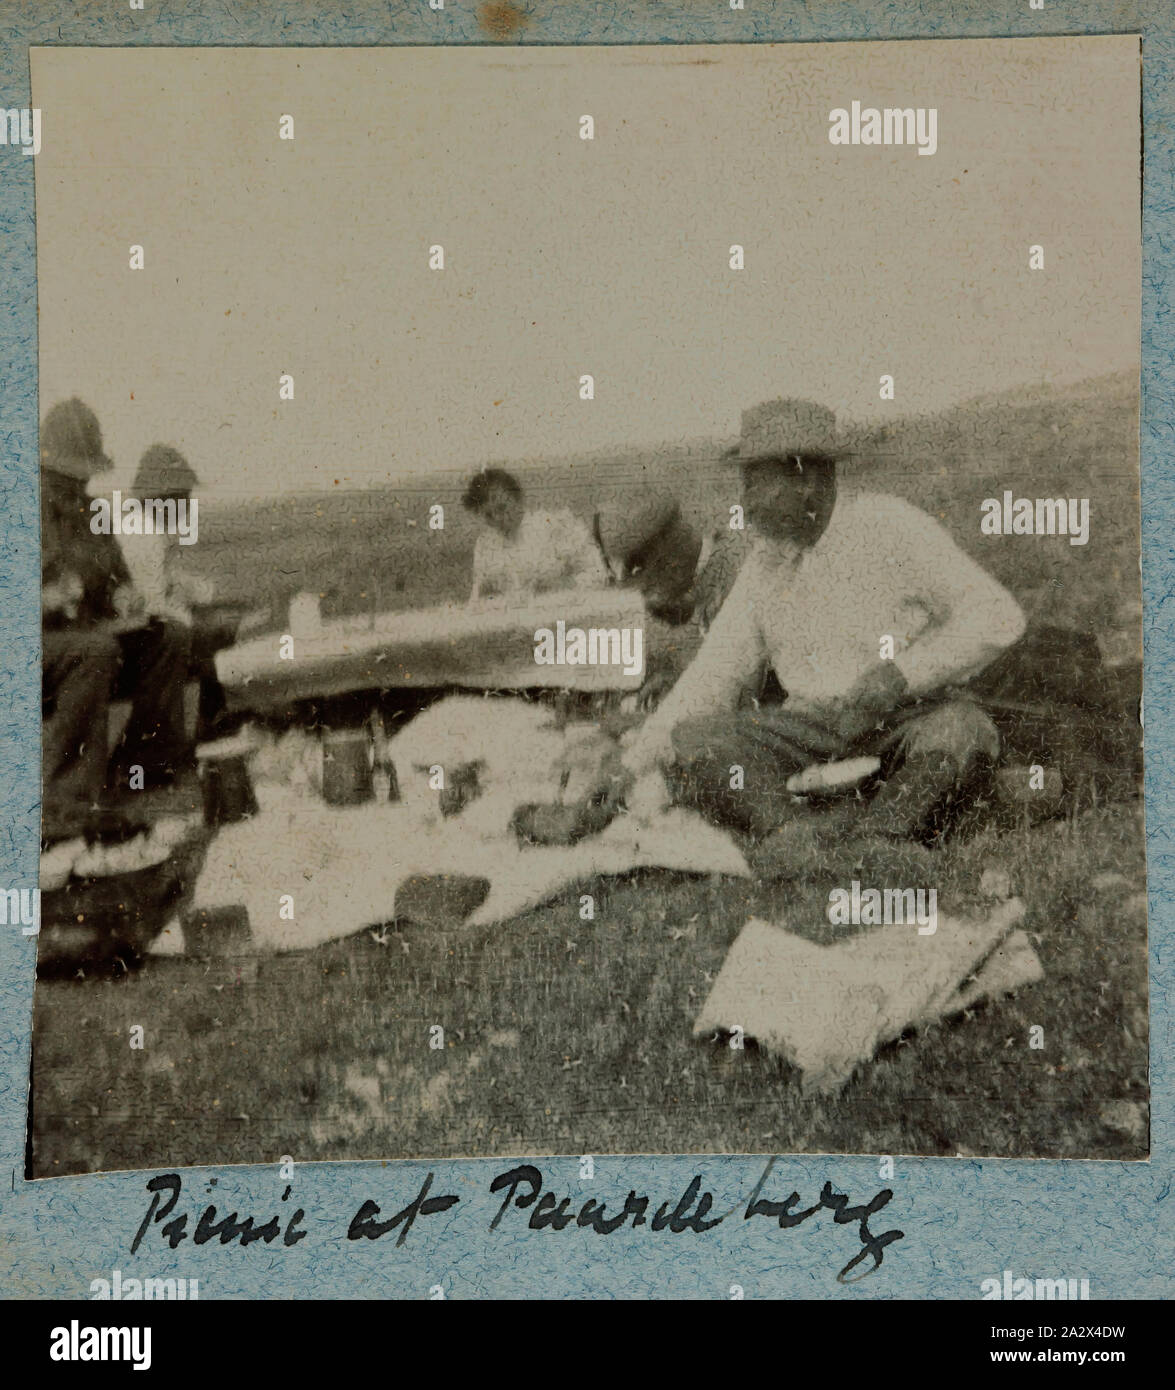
(565, 256)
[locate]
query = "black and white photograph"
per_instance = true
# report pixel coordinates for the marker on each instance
(590, 603)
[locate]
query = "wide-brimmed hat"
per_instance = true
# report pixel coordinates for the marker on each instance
(71, 440)
(164, 472)
(785, 428)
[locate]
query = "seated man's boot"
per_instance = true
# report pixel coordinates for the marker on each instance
(911, 803)
(949, 753)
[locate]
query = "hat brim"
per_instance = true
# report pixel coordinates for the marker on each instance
(734, 456)
(76, 465)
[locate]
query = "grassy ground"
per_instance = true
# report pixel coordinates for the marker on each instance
(565, 1036)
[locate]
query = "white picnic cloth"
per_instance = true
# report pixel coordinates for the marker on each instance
(343, 867)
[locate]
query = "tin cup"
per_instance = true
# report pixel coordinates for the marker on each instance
(305, 615)
(385, 786)
(225, 782)
(346, 767)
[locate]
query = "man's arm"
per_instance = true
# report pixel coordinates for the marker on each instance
(61, 586)
(583, 561)
(478, 570)
(54, 546)
(974, 617)
(193, 589)
(730, 656)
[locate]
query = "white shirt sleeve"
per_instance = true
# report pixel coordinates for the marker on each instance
(583, 562)
(146, 562)
(188, 589)
(973, 617)
(731, 654)
(167, 592)
(479, 566)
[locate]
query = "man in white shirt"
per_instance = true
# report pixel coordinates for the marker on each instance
(871, 618)
(162, 594)
(161, 588)
(520, 553)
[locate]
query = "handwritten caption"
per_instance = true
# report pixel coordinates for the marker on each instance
(523, 1188)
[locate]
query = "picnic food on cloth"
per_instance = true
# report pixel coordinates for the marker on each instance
(104, 859)
(58, 860)
(345, 867)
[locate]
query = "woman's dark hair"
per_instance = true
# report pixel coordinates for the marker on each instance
(478, 491)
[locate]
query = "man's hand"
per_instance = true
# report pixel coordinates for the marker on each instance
(128, 602)
(880, 688)
(598, 799)
(656, 686)
(639, 757)
(612, 782)
(62, 595)
(872, 696)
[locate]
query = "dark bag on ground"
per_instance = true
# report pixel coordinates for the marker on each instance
(1056, 703)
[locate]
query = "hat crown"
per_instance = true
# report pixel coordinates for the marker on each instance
(70, 433)
(164, 472)
(788, 425)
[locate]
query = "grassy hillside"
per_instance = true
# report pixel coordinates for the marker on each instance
(1078, 442)
(374, 548)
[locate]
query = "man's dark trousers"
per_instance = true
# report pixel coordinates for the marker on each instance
(929, 750)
